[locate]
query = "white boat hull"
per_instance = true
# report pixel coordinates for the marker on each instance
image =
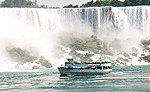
(65, 71)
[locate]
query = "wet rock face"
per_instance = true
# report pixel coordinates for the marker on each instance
(115, 49)
(146, 58)
(35, 67)
(45, 62)
(89, 44)
(146, 50)
(21, 56)
(24, 56)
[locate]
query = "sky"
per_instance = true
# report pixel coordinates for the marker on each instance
(59, 3)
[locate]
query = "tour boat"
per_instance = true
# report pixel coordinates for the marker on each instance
(78, 68)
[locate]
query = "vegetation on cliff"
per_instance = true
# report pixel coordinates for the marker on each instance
(115, 3)
(22, 4)
(18, 3)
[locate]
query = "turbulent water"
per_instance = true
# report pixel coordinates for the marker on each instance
(45, 28)
(126, 79)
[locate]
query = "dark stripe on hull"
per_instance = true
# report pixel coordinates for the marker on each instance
(76, 72)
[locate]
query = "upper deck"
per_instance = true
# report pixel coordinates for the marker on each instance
(78, 64)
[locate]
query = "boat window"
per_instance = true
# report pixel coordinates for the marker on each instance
(70, 60)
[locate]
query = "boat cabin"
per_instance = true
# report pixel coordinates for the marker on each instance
(70, 60)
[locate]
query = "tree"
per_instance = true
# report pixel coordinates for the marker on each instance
(65, 7)
(116, 3)
(127, 3)
(99, 3)
(35, 2)
(43, 6)
(76, 6)
(17, 3)
(145, 2)
(29, 3)
(20, 3)
(70, 6)
(88, 4)
(7, 3)
(102, 3)
(136, 2)
(106, 3)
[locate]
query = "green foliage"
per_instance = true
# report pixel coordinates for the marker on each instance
(99, 3)
(22, 4)
(96, 4)
(145, 2)
(136, 2)
(71, 6)
(17, 3)
(105, 3)
(116, 3)
(43, 6)
(127, 3)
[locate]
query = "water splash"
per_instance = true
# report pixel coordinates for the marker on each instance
(46, 28)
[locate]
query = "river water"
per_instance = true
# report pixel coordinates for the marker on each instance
(122, 79)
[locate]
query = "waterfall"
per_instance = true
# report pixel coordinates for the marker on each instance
(41, 28)
(55, 19)
(138, 17)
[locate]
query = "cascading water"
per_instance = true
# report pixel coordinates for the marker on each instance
(41, 28)
(138, 18)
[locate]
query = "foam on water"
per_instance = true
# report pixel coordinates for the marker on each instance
(46, 80)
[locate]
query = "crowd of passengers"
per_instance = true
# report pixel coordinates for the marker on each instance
(90, 67)
(87, 62)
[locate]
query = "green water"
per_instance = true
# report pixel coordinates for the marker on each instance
(122, 79)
